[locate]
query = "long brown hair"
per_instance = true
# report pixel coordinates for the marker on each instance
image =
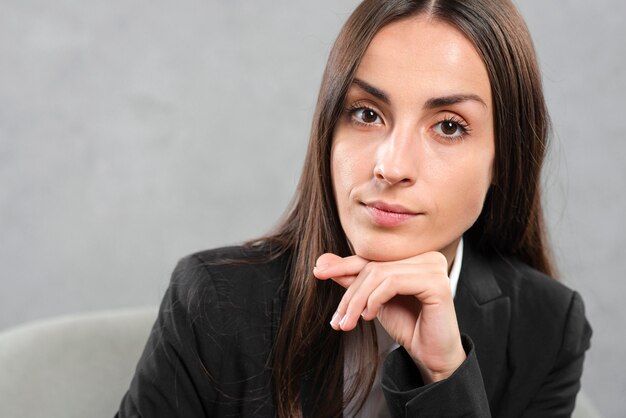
(307, 352)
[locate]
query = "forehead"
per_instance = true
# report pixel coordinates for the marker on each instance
(423, 56)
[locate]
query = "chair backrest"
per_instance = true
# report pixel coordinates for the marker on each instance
(585, 407)
(73, 366)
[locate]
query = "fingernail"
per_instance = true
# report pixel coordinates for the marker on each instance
(343, 321)
(364, 313)
(334, 320)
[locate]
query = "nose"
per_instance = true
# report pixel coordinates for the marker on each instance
(397, 159)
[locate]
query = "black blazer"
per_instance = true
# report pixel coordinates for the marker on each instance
(525, 335)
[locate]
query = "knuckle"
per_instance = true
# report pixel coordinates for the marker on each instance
(389, 285)
(390, 280)
(372, 267)
(439, 261)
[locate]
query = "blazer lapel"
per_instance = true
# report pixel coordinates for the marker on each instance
(483, 313)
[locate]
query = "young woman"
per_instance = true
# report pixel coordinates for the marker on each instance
(416, 238)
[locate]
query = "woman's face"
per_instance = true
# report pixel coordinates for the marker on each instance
(412, 155)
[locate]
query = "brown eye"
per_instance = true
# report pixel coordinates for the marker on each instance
(366, 116)
(449, 127)
(369, 116)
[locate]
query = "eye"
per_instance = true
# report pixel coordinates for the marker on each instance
(451, 128)
(365, 116)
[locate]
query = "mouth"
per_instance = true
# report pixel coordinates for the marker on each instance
(385, 214)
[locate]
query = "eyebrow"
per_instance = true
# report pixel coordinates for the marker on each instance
(430, 104)
(374, 91)
(444, 101)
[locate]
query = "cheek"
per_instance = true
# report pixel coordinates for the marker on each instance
(470, 186)
(343, 170)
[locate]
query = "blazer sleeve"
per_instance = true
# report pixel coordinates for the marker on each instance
(460, 395)
(463, 393)
(171, 379)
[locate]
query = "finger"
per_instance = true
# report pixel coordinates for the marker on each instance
(425, 287)
(354, 300)
(330, 265)
(379, 282)
(326, 260)
(345, 281)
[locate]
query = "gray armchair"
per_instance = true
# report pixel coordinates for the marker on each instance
(72, 367)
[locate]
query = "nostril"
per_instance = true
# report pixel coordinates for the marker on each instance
(378, 172)
(392, 175)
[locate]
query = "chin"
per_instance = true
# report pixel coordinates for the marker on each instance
(385, 251)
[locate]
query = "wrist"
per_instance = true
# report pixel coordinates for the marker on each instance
(442, 372)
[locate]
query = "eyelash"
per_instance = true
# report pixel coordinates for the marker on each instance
(462, 126)
(350, 111)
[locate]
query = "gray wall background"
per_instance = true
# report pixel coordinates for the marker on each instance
(135, 132)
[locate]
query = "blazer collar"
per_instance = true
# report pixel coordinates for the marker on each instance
(483, 313)
(477, 277)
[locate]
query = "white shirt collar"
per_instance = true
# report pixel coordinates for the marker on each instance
(455, 272)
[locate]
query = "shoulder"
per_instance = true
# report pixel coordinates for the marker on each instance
(231, 288)
(251, 270)
(544, 311)
(520, 281)
(529, 330)
(531, 291)
(488, 277)
(541, 315)
(209, 350)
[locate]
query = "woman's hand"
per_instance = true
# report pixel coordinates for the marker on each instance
(412, 300)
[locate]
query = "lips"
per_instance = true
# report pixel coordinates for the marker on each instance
(386, 207)
(386, 214)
